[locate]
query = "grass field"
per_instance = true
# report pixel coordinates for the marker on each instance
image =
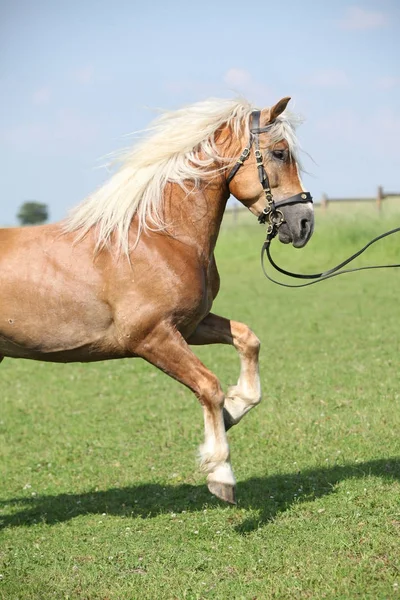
(101, 498)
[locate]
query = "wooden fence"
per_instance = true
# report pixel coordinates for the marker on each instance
(380, 196)
(236, 209)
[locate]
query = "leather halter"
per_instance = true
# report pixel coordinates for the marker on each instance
(271, 213)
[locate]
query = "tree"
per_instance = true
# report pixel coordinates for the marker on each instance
(33, 213)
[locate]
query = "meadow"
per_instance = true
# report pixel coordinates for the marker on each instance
(100, 494)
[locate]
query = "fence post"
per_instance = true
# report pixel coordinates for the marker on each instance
(379, 198)
(324, 202)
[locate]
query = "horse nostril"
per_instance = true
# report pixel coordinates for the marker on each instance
(304, 226)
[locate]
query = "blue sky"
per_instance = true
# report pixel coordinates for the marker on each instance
(76, 77)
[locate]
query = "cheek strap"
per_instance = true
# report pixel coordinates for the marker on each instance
(271, 212)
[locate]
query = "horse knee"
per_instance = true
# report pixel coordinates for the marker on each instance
(210, 393)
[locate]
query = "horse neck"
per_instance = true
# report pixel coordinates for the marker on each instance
(196, 218)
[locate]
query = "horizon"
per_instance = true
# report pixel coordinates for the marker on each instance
(75, 82)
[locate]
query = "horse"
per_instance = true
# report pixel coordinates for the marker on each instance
(131, 272)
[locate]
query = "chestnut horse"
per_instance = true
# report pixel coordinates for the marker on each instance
(131, 272)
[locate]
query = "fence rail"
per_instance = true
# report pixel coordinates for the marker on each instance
(380, 196)
(235, 209)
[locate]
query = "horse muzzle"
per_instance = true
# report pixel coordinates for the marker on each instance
(297, 228)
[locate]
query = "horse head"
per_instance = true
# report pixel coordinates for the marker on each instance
(266, 177)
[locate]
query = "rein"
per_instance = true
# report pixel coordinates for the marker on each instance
(274, 217)
(318, 277)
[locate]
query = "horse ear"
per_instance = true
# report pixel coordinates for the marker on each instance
(278, 109)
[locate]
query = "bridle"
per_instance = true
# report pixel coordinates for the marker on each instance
(274, 217)
(271, 213)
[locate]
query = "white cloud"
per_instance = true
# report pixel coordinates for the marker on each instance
(41, 96)
(238, 81)
(237, 78)
(84, 75)
(362, 19)
(331, 78)
(241, 81)
(193, 87)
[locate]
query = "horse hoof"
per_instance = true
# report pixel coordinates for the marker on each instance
(223, 491)
(227, 420)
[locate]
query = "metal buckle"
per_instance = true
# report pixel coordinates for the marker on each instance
(276, 218)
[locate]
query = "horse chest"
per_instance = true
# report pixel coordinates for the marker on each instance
(202, 292)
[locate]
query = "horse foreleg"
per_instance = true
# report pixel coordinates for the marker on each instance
(247, 392)
(1, 358)
(167, 350)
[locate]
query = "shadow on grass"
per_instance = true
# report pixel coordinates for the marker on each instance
(268, 496)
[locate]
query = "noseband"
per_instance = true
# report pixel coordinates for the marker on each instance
(271, 213)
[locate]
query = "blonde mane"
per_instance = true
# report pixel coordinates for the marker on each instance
(179, 147)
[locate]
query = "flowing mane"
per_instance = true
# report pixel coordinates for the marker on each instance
(179, 147)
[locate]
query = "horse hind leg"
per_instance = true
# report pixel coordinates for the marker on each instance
(1, 358)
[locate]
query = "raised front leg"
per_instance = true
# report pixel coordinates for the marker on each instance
(166, 349)
(247, 392)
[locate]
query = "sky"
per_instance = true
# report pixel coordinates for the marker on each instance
(76, 77)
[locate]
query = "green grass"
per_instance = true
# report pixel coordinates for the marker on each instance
(100, 494)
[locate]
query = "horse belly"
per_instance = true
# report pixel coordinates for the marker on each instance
(96, 351)
(48, 327)
(51, 298)
(66, 343)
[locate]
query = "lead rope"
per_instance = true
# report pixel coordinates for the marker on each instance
(318, 277)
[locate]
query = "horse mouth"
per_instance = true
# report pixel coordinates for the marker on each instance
(301, 242)
(298, 239)
(284, 235)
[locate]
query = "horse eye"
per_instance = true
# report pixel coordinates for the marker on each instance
(279, 154)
